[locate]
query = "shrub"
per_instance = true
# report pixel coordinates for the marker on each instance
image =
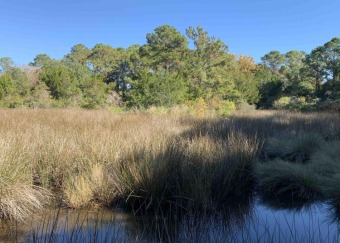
(225, 108)
(244, 106)
(290, 103)
(329, 105)
(199, 107)
(116, 110)
(282, 103)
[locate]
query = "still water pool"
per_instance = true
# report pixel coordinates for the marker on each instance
(255, 221)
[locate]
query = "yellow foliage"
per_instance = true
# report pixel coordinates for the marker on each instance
(247, 64)
(200, 107)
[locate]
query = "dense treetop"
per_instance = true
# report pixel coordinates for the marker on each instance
(166, 72)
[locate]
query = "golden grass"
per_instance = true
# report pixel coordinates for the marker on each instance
(100, 157)
(74, 151)
(18, 196)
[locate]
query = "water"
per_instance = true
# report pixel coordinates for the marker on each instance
(254, 221)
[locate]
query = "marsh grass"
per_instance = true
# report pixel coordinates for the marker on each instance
(288, 180)
(294, 147)
(150, 161)
(19, 198)
(302, 167)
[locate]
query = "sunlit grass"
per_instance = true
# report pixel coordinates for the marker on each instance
(147, 161)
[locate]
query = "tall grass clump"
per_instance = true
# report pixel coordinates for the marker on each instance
(326, 162)
(288, 180)
(149, 177)
(216, 170)
(295, 147)
(19, 198)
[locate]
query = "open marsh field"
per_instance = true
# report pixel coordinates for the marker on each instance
(155, 164)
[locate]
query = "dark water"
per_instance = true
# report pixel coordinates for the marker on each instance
(256, 221)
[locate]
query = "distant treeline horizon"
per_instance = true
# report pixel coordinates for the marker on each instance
(166, 72)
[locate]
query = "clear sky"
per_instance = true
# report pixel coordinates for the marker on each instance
(249, 27)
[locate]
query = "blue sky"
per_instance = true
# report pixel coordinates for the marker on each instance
(249, 27)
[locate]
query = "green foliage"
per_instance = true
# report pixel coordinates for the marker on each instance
(305, 89)
(163, 89)
(273, 61)
(14, 101)
(14, 87)
(208, 108)
(221, 107)
(206, 67)
(79, 54)
(6, 85)
(60, 80)
(332, 57)
(40, 96)
(41, 60)
(329, 105)
(271, 88)
(6, 63)
(244, 106)
(103, 58)
(331, 90)
(94, 93)
(282, 103)
(290, 103)
(164, 49)
(20, 80)
(247, 86)
(117, 110)
(166, 72)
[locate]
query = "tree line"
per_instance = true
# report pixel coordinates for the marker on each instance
(166, 72)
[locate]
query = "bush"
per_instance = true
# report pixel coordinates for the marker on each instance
(329, 105)
(116, 110)
(199, 107)
(211, 107)
(244, 106)
(281, 103)
(13, 101)
(290, 103)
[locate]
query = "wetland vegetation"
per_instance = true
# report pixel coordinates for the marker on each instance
(170, 133)
(147, 162)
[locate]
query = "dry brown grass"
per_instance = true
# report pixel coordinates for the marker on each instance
(74, 151)
(99, 157)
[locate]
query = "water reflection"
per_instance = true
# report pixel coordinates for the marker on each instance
(277, 202)
(252, 220)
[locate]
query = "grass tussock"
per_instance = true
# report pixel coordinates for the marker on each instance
(216, 170)
(317, 175)
(293, 147)
(288, 180)
(149, 161)
(18, 196)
